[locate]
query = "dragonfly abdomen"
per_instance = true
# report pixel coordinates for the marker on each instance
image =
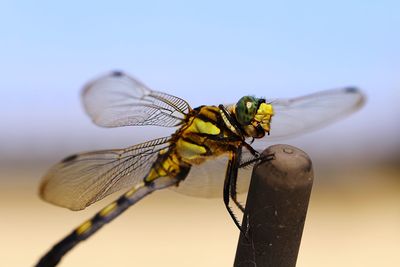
(104, 216)
(90, 226)
(169, 164)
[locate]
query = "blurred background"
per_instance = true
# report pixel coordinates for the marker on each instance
(207, 53)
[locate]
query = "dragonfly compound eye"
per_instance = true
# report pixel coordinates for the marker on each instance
(246, 109)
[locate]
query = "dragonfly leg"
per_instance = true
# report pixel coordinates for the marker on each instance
(255, 160)
(231, 175)
(107, 214)
(233, 184)
(254, 152)
(233, 181)
(234, 198)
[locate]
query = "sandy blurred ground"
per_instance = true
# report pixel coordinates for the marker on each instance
(354, 221)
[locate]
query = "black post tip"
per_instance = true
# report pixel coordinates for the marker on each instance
(276, 209)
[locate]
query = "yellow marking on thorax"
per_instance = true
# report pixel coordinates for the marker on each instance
(193, 149)
(84, 227)
(210, 112)
(200, 126)
(189, 150)
(186, 151)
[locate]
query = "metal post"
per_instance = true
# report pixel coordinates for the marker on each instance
(276, 209)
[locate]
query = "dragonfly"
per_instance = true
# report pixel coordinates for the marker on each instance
(207, 156)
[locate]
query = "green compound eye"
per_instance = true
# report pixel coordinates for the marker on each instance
(246, 109)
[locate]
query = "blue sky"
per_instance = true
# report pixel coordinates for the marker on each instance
(206, 52)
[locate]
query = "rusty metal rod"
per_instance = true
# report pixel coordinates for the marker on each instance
(276, 209)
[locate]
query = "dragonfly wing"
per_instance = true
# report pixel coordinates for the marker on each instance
(302, 114)
(293, 117)
(207, 179)
(83, 179)
(117, 99)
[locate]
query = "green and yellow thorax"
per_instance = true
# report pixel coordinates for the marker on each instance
(205, 135)
(211, 131)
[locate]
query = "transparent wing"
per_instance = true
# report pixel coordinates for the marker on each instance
(117, 100)
(303, 114)
(83, 179)
(295, 116)
(207, 179)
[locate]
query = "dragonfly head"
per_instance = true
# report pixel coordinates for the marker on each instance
(254, 115)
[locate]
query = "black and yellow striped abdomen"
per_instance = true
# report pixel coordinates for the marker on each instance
(107, 214)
